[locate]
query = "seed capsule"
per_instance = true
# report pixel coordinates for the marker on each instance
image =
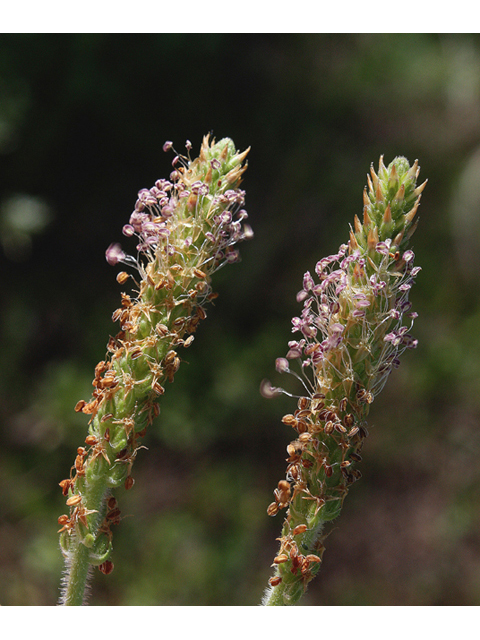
(312, 558)
(303, 402)
(363, 431)
(282, 494)
(117, 314)
(170, 357)
(280, 559)
(157, 387)
(348, 420)
(300, 528)
(188, 341)
(294, 449)
(305, 437)
(122, 277)
(161, 329)
(201, 313)
(106, 567)
(114, 515)
(302, 413)
(65, 484)
(328, 427)
(323, 414)
(364, 396)
(272, 509)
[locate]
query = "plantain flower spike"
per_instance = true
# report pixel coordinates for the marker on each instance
(355, 323)
(186, 228)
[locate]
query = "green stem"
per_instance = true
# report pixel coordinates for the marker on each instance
(79, 557)
(275, 597)
(76, 579)
(284, 594)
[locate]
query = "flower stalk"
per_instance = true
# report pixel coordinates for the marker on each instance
(355, 323)
(186, 229)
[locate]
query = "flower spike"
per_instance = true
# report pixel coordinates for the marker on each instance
(356, 322)
(185, 228)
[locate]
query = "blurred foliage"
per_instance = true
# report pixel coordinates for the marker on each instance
(82, 123)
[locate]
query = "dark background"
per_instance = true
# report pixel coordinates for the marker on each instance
(82, 122)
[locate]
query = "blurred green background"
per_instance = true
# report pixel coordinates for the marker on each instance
(82, 122)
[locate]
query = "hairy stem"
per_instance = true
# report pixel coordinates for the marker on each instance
(76, 579)
(80, 555)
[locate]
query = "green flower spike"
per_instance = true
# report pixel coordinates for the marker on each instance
(352, 334)
(186, 229)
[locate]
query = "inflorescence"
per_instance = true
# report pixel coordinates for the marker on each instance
(355, 323)
(186, 228)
